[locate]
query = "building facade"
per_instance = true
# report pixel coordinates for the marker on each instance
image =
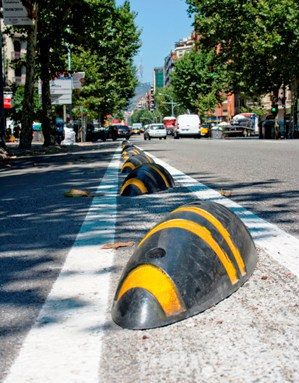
(181, 47)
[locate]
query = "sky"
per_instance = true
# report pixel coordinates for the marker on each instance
(162, 23)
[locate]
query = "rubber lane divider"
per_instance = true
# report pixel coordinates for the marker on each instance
(134, 161)
(131, 152)
(205, 253)
(153, 178)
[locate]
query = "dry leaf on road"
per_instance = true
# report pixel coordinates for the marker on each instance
(77, 193)
(117, 245)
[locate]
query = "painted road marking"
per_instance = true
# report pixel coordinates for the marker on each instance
(64, 344)
(281, 246)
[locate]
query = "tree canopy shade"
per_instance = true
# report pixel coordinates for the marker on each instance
(257, 40)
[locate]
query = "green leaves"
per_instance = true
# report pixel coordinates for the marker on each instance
(256, 39)
(197, 81)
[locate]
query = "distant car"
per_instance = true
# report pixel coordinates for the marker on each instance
(118, 131)
(135, 130)
(136, 127)
(187, 125)
(205, 130)
(95, 132)
(155, 131)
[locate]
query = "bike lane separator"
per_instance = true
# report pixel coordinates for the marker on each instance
(277, 243)
(65, 343)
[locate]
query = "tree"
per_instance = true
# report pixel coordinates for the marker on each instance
(108, 61)
(18, 100)
(112, 41)
(257, 40)
(197, 81)
(144, 116)
(27, 116)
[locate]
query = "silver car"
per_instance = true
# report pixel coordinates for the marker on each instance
(155, 131)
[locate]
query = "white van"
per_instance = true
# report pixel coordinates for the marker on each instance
(187, 125)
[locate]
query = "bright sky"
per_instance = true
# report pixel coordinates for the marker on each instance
(163, 22)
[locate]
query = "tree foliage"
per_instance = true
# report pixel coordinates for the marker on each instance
(257, 40)
(103, 39)
(197, 81)
(145, 116)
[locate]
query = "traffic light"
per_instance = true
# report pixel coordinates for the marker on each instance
(274, 108)
(274, 105)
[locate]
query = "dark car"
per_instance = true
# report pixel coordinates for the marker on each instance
(118, 131)
(95, 132)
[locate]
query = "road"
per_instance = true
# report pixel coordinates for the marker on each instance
(245, 338)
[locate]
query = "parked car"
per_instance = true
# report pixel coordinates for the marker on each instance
(187, 125)
(136, 128)
(95, 132)
(205, 130)
(155, 131)
(118, 131)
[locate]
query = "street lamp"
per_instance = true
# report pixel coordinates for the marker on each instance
(173, 104)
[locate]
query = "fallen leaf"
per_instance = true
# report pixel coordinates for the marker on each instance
(226, 193)
(77, 193)
(117, 245)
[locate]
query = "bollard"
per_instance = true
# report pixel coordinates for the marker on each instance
(197, 256)
(134, 161)
(130, 152)
(146, 179)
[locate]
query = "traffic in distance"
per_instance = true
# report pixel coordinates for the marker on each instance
(185, 125)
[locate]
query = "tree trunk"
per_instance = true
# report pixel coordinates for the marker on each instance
(27, 115)
(293, 117)
(47, 125)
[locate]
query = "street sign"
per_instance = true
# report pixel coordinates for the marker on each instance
(61, 87)
(61, 99)
(15, 13)
(61, 92)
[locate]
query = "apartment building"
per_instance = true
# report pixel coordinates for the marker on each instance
(14, 48)
(181, 47)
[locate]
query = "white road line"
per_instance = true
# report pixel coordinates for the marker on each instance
(64, 345)
(281, 246)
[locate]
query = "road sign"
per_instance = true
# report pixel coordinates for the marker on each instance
(15, 13)
(61, 99)
(61, 87)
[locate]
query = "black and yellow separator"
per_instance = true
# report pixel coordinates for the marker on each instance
(126, 144)
(197, 256)
(146, 179)
(129, 152)
(134, 161)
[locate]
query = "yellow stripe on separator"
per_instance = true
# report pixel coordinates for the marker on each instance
(136, 182)
(158, 283)
(202, 233)
(162, 175)
(128, 165)
(222, 230)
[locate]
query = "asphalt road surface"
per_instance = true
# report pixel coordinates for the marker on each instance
(52, 258)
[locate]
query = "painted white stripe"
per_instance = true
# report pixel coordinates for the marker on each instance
(281, 246)
(64, 345)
